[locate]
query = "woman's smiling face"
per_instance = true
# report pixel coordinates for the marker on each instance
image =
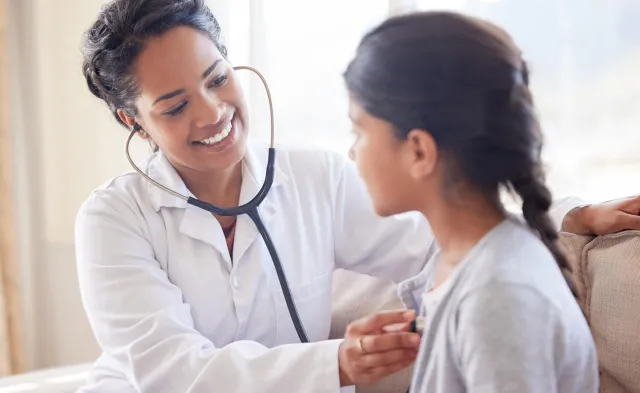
(190, 104)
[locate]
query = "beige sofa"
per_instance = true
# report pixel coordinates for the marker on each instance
(607, 273)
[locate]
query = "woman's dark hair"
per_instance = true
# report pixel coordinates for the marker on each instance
(464, 81)
(113, 43)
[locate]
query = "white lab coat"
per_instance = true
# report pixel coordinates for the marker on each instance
(173, 313)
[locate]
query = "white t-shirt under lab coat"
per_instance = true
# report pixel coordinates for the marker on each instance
(173, 313)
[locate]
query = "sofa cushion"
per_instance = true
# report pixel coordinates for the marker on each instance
(607, 273)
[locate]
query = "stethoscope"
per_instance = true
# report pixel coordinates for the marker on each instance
(250, 208)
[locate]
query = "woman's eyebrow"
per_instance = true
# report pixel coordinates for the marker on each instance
(174, 93)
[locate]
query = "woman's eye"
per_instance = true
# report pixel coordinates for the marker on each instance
(219, 81)
(177, 110)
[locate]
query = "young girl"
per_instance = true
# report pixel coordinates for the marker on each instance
(444, 121)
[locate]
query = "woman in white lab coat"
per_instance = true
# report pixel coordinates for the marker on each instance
(183, 301)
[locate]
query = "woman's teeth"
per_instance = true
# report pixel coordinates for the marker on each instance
(218, 137)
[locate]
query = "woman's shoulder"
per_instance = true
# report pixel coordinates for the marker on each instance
(123, 194)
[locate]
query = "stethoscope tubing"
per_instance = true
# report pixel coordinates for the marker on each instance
(250, 208)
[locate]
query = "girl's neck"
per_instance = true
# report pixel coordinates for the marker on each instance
(458, 224)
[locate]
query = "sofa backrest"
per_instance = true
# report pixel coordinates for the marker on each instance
(607, 273)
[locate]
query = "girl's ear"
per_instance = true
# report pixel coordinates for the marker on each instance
(423, 153)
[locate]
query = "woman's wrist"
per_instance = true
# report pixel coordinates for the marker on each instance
(577, 221)
(344, 379)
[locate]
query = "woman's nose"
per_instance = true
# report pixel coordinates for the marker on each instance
(210, 110)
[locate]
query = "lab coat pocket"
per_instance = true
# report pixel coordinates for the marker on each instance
(313, 302)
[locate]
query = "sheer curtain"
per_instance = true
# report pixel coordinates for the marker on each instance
(11, 360)
(584, 56)
(302, 48)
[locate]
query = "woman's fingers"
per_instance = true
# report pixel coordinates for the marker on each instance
(382, 371)
(390, 341)
(625, 221)
(376, 322)
(368, 354)
(397, 327)
(385, 359)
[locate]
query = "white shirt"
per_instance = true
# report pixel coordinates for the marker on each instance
(173, 313)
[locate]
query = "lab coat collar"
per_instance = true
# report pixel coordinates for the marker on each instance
(199, 224)
(254, 170)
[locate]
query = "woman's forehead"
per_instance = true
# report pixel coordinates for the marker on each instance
(175, 60)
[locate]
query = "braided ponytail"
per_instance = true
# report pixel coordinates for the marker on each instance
(530, 185)
(536, 201)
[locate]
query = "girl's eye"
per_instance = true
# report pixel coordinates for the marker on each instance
(177, 110)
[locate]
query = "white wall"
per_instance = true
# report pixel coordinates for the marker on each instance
(66, 145)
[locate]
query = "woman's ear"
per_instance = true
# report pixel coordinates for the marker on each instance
(131, 123)
(126, 119)
(424, 153)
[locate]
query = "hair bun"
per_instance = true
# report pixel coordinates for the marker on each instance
(91, 77)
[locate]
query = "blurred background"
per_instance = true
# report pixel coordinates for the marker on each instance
(58, 143)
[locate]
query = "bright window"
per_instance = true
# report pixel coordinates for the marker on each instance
(302, 48)
(584, 56)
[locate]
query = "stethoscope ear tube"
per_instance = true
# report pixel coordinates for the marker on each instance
(252, 204)
(250, 208)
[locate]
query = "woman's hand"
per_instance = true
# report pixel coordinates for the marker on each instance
(368, 353)
(604, 218)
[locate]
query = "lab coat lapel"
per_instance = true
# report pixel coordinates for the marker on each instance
(200, 224)
(160, 169)
(196, 223)
(255, 164)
